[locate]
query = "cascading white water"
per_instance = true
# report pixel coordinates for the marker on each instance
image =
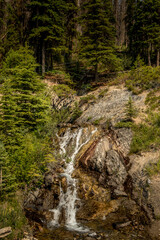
(68, 199)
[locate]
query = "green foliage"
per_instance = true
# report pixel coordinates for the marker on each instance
(153, 168)
(11, 214)
(23, 103)
(130, 110)
(61, 77)
(97, 40)
(143, 28)
(7, 183)
(103, 93)
(47, 29)
(143, 78)
(97, 121)
(76, 113)
(29, 161)
(25, 123)
(86, 99)
(145, 135)
(63, 90)
(153, 99)
(144, 138)
(124, 124)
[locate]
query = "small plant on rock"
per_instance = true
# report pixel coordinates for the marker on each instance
(130, 110)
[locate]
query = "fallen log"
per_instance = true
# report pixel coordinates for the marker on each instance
(4, 232)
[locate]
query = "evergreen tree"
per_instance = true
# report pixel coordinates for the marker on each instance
(98, 35)
(143, 28)
(22, 105)
(70, 28)
(47, 29)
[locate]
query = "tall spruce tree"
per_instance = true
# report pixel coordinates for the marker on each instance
(22, 105)
(47, 30)
(98, 35)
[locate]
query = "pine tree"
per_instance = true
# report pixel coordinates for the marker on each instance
(143, 28)
(22, 104)
(98, 36)
(47, 29)
(71, 14)
(130, 110)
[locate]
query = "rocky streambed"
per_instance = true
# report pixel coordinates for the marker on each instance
(97, 190)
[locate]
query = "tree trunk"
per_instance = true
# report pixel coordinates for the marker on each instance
(96, 73)
(158, 58)
(1, 180)
(149, 54)
(43, 58)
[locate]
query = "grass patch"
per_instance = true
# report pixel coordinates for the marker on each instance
(97, 121)
(152, 100)
(86, 99)
(153, 169)
(143, 78)
(12, 215)
(103, 93)
(145, 136)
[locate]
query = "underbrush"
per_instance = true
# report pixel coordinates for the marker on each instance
(153, 168)
(63, 90)
(145, 135)
(143, 78)
(12, 215)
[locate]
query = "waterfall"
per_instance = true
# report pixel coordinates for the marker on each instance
(67, 200)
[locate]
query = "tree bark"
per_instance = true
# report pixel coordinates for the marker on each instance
(149, 54)
(1, 180)
(96, 73)
(43, 58)
(158, 58)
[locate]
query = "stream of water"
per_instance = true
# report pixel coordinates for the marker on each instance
(67, 200)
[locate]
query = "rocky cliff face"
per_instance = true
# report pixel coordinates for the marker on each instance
(112, 186)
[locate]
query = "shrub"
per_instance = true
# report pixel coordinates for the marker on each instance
(143, 78)
(76, 113)
(144, 137)
(153, 168)
(11, 214)
(63, 90)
